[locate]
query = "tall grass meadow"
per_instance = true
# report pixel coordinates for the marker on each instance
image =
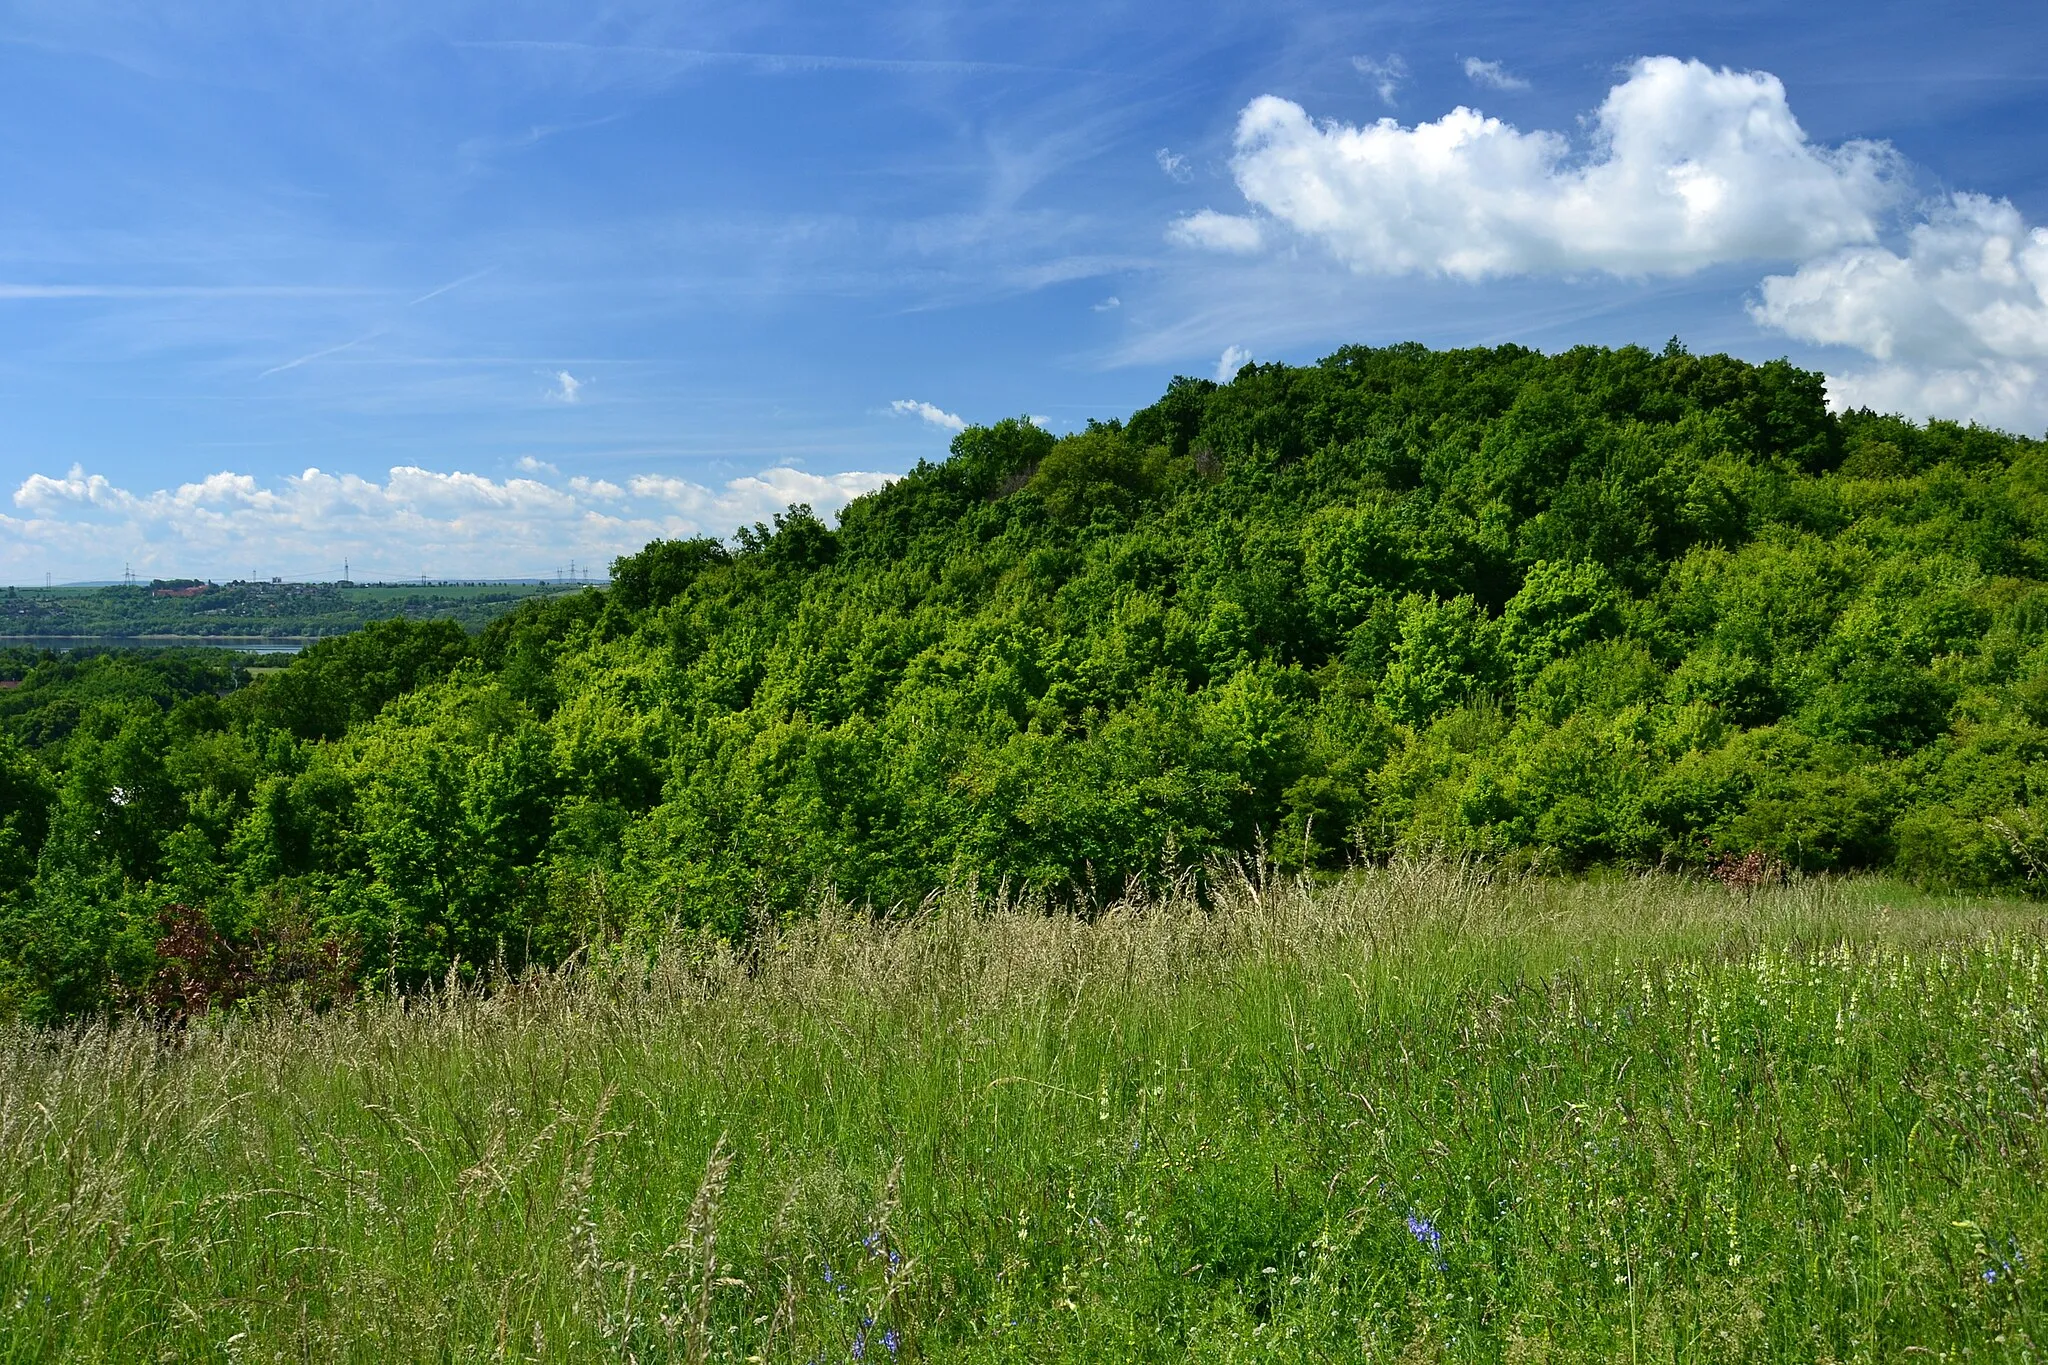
(1423, 1112)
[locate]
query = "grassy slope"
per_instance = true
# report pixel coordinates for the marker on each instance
(1647, 1119)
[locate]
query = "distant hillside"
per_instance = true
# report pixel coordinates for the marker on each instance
(1599, 608)
(189, 608)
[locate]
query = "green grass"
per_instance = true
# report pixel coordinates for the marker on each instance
(1648, 1119)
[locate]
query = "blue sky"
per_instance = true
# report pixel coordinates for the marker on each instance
(478, 289)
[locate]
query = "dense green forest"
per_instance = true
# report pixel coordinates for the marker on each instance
(1603, 608)
(192, 608)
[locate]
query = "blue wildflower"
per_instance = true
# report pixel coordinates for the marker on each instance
(891, 1341)
(2006, 1265)
(872, 1242)
(1425, 1231)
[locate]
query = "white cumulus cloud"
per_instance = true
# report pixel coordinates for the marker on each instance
(930, 412)
(754, 497)
(567, 387)
(1233, 359)
(1689, 167)
(228, 525)
(1175, 165)
(1958, 323)
(1492, 75)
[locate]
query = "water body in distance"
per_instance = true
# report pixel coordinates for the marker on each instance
(252, 645)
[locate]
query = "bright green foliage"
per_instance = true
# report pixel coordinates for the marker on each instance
(1599, 608)
(1448, 654)
(1411, 1115)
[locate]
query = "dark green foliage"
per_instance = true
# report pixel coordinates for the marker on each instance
(58, 692)
(1100, 473)
(25, 799)
(663, 571)
(1600, 608)
(339, 682)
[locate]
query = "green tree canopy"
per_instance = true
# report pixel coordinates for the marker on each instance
(1604, 607)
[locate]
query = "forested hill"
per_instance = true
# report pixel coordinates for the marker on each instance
(1599, 608)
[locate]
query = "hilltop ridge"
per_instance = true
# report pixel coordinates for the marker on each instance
(1604, 607)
